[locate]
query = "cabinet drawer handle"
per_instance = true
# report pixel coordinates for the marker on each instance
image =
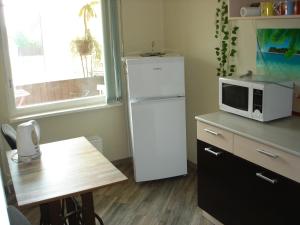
(212, 152)
(267, 153)
(211, 132)
(272, 181)
(157, 68)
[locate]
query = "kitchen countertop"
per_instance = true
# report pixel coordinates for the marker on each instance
(283, 134)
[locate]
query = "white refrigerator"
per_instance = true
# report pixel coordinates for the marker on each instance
(156, 105)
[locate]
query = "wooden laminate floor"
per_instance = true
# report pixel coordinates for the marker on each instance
(170, 201)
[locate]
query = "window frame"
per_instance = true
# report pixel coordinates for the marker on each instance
(42, 108)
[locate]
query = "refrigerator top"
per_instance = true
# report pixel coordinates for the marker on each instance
(140, 59)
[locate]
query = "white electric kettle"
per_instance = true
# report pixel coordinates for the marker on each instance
(28, 140)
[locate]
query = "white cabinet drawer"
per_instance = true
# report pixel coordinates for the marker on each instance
(215, 136)
(268, 157)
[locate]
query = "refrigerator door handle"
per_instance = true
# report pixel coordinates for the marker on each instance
(139, 100)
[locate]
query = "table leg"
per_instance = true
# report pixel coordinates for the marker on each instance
(55, 216)
(88, 208)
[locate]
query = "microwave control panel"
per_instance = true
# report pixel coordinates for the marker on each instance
(257, 100)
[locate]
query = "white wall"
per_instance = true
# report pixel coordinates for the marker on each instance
(189, 29)
(142, 22)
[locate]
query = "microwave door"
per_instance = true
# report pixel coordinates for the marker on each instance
(236, 99)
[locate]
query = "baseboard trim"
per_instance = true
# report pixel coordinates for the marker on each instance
(192, 164)
(130, 160)
(121, 161)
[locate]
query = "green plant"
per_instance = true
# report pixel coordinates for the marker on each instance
(87, 44)
(227, 37)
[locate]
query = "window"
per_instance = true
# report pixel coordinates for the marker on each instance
(55, 53)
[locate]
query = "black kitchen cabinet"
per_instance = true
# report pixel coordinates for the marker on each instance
(237, 192)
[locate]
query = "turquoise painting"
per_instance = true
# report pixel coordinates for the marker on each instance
(278, 53)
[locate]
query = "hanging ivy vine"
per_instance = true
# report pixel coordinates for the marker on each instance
(227, 37)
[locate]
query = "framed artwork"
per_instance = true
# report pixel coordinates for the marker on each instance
(278, 55)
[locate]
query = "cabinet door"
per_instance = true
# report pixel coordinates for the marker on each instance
(238, 192)
(274, 198)
(215, 190)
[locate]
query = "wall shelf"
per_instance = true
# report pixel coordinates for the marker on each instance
(234, 7)
(264, 17)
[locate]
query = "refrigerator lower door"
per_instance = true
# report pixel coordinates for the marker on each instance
(158, 138)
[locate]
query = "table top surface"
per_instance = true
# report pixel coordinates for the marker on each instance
(66, 168)
(283, 134)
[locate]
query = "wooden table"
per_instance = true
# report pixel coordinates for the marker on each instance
(66, 168)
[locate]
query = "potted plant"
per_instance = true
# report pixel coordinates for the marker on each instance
(87, 45)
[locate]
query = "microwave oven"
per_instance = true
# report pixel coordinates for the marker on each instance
(258, 100)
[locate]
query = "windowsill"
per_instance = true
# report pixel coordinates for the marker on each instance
(63, 112)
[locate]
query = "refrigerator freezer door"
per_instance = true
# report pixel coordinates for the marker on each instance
(161, 77)
(159, 138)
